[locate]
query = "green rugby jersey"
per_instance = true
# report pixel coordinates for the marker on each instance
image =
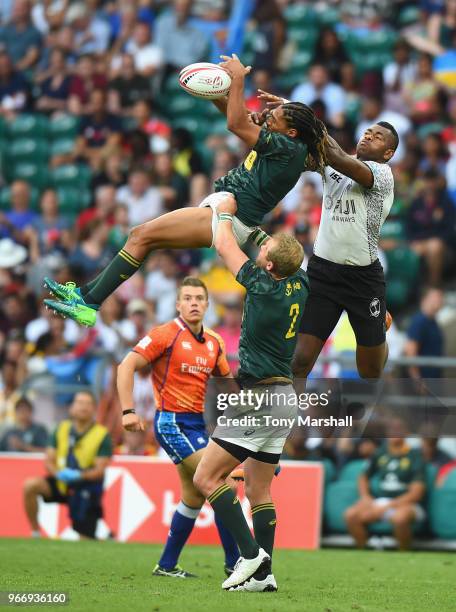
(390, 475)
(270, 323)
(268, 173)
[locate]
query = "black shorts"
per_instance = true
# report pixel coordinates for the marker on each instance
(241, 453)
(85, 527)
(360, 290)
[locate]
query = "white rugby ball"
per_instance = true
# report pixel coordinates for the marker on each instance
(204, 80)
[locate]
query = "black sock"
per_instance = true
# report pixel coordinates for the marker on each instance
(118, 271)
(226, 505)
(264, 525)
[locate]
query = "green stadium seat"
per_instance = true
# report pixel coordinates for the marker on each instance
(328, 17)
(30, 126)
(62, 146)
(64, 126)
(393, 229)
(71, 175)
(183, 104)
(37, 174)
(305, 38)
(397, 292)
(29, 149)
(73, 200)
(351, 470)
(329, 471)
(198, 128)
(339, 496)
(300, 15)
(442, 504)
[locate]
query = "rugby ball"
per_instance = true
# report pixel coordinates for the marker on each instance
(204, 80)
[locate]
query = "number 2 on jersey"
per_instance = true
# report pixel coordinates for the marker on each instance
(294, 313)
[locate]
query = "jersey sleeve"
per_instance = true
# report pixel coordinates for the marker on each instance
(419, 470)
(273, 143)
(383, 178)
(253, 278)
(105, 449)
(154, 343)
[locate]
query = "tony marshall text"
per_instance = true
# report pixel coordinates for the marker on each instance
(268, 420)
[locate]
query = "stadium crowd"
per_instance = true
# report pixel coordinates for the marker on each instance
(96, 136)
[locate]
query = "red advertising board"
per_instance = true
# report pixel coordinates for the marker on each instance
(141, 494)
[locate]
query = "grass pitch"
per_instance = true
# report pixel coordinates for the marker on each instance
(112, 576)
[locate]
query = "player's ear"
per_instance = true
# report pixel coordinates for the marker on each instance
(388, 154)
(292, 133)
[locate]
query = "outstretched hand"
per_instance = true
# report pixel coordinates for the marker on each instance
(272, 101)
(234, 66)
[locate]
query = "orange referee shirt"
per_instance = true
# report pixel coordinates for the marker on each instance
(182, 364)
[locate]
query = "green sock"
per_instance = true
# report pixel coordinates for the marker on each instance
(264, 524)
(118, 271)
(227, 507)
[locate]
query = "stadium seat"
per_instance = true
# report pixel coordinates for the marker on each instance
(393, 229)
(305, 38)
(339, 496)
(300, 15)
(403, 271)
(30, 126)
(29, 149)
(329, 471)
(71, 175)
(73, 200)
(64, 126)
(37, 174)
(351, 470)
(442, 515)
(62, 146)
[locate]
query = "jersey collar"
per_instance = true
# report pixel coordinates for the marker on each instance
(200, 337)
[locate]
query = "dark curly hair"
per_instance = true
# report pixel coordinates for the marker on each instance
(310, 130)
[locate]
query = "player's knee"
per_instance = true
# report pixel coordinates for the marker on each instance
(370, 370)
(202, 483)
(139, 235)
(302, 364)
(351, 514)
(402, 519)
(32, 485)
(257, 493)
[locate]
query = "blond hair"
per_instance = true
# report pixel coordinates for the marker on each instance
(286, 255)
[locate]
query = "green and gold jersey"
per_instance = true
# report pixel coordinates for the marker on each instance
(270, 324)
(390, 475)
(268, 173)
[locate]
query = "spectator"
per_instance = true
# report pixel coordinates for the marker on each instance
(330, 52)
(230, 331)
(181, 43)
(139, 312)
(20, 38)
(54, 84)
(148, 58)
(127, 88)
(434, 156)
(373, 112)
(173, 186)
(115, 332)
(161, 285)
(42, 325)
(26, 436)
(15, 221)
(144, 202)
(425, 338)
(421, 94)
(112, 173)
(8, 393)
(84, 81)
(319, 87)
(156, 130)
(118, 233)
(49, 231)
(92, 253)
(397, 495)
(430, 225)
(397, 75)
(432, 454)
(105, 204)
(75, 471)
(14, 88)
(442, 25)
(91, 34)
(100, 132)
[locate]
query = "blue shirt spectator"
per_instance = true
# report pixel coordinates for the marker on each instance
(25, 436)
(425, 338)
(14, 221)
(20, 38)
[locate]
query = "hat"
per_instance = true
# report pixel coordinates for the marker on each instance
(137, 305)
(11, 253)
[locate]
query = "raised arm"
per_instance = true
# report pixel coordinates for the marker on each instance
(238, 121)
(347, 165)
(225, 241)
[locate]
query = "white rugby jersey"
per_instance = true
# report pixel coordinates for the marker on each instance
(352, 216)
